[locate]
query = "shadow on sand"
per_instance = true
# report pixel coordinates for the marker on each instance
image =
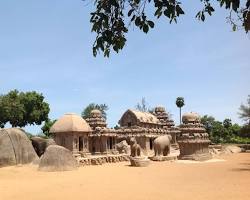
(243, 167)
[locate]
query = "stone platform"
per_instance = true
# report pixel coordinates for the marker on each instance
(102, 159)
(139, 161)
(196, 157)
(163, 158)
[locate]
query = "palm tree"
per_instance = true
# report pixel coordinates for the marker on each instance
(180, 103)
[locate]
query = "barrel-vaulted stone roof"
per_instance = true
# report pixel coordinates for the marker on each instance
(143, 117)
(70, 122)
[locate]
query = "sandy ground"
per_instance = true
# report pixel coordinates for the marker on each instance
(161, 180)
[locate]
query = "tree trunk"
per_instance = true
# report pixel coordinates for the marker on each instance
(180, 115)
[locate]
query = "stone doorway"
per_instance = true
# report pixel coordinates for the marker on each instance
(81, 140)
(151, 141)
(110, 142)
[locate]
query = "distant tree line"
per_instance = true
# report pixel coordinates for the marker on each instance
(226, 132)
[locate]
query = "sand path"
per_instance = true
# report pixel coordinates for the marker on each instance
(161, 180)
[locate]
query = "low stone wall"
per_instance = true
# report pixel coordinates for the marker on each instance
(244, 147)
(99, 160)
(215, 146)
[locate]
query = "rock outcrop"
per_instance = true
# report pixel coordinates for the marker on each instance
(40, 144)
(15, 148)
(57, 158)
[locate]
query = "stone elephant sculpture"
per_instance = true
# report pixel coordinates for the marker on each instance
(40, 144)
(162, 145)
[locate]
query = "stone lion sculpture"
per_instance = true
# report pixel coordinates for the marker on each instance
(136, 158)
(135, 148)
(162, 145)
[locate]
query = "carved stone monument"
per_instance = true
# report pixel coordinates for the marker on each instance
(193, 140)
(162, 145)
(136, 158)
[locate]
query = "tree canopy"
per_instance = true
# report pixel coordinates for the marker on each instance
(180, 102)
(46, 127)
(112, 19)
(245, 111)
(21, 109)
(87, 110)
(222, 132)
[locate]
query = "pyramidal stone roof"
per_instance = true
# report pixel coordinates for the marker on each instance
(70, 122)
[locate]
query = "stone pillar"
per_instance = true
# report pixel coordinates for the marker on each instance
(97, 144)
(104, 145)
(76, 146)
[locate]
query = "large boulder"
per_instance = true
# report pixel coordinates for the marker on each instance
(40, 144)
(15, 148)
(57, 158)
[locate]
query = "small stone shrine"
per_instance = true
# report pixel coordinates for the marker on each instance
(103, 139)
(193, 140)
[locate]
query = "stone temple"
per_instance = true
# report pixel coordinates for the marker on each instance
(193, 140)
(93, 137)
(72, 132)
(143, 126)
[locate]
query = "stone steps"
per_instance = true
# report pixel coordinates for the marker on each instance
(99, 160)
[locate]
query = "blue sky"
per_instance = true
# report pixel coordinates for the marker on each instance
(46, 46)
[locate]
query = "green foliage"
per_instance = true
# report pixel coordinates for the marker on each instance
(143, 106)
(46, 127)
(208, 121)
(102, 107)
(180, 102)
(245, 131)
(112, 18)
(21, 109)
(239, 140)
(223, 132)
(245, 110)
(116, 127)
(12, 109)
(227, 123)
